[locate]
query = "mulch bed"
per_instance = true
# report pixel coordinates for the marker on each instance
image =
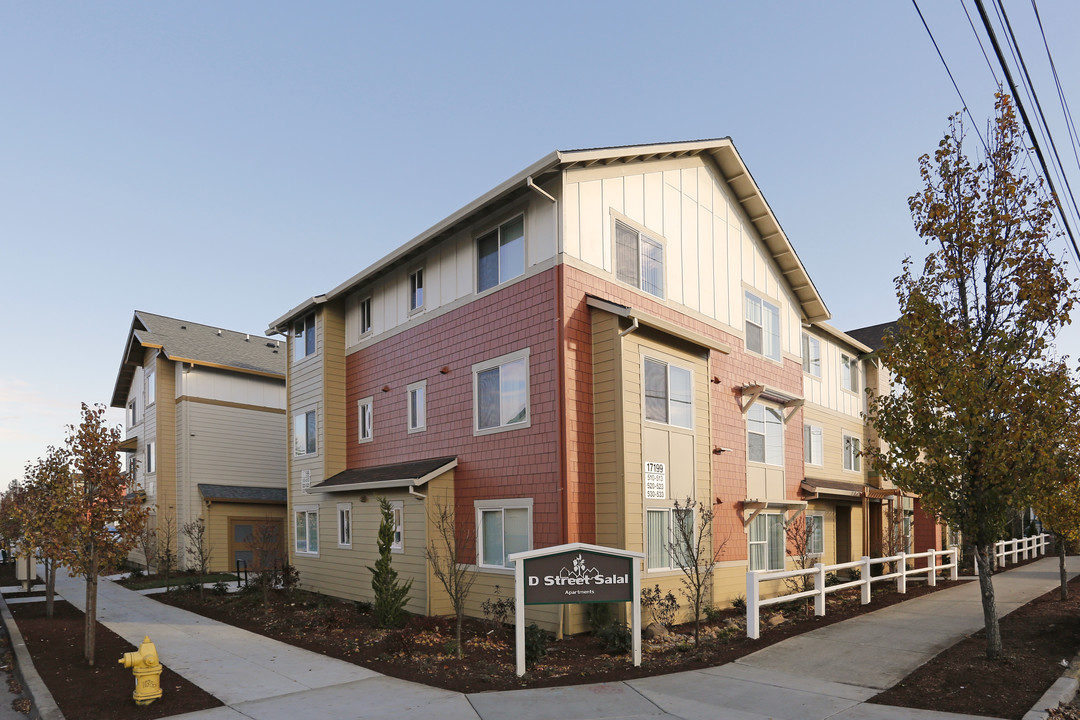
(1035, 637)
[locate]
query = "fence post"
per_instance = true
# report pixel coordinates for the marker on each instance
(819, 585)
(931, 567)
(901, 581)
(954, 573)
(1017, 543)
(865, 579)
(753, 625)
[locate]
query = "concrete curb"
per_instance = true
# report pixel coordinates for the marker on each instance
(1062, 691)
(43, 707)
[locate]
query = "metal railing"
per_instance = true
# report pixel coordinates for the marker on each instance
(901, 574)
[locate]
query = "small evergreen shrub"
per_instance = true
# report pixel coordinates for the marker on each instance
(599, 616)
(535, 644)
(616, 637)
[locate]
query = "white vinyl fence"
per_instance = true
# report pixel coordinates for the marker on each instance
(1006, 551)
(754, 578)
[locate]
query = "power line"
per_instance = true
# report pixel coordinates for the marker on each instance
(1057, 82)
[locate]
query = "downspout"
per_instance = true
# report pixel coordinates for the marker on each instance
(632, 328)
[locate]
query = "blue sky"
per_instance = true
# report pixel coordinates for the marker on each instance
(222, 162)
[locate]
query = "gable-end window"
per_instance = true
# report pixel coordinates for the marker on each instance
(151, 388)
(417, 394)
(639, 260)
(303, 337)
(503, 527)
(664, 549)
(762, 327)
(500, 254)
(767, 539)
(304, 433)
(344, 525)
(813, 445)
(397, 510)
(133, 412)
(365, 316)
(852, 460)
(416, 290)
(306, 522)
(501, 393)
(765, 435)
(150, 463)
(811, 355)
(668, 394)
(815, 529)
(364, 413)
(849, 373)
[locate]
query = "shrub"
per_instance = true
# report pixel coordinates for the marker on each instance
(535, 644)
(616, 637)
(497, 611)
(600, 616)
(713, 613)
(220, 588)
(739, 603)
(664, 608)
(192, 585)
(136, 574)
(391, 596)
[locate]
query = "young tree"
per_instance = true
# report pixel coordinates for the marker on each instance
(265, 543)
(1057, 498)
(198, 548)
(694, 549)
(799, 534)
(165, 545)
(98, 502)
(148, 542)
(46, 512)
(390, 595)
(442, 552)
(968, 428)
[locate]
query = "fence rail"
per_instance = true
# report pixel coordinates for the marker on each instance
(1018, 549)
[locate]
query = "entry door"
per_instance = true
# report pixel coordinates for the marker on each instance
(843, 534)
(258, 542)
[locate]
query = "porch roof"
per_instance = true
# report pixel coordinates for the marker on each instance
(242, 494)
(406, 474)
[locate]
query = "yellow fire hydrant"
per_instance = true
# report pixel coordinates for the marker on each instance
(144, 664)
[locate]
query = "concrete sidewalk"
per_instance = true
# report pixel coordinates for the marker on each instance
(826, 673)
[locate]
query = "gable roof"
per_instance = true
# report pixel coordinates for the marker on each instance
(873, 335)
(183, 341)
(721, 150)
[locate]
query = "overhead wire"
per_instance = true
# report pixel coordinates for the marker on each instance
(1057, 82)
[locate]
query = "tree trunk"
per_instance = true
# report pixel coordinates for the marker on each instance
(984, 556)
(460, 649)
(90, 626)
(50, 586)
(1061, 567)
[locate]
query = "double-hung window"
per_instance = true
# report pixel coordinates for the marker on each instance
(765, 435)
(849, 373)
(811, 355)
(344, 525)
(762, 327)
(504, 527)
(639, 260)
(501, 393)
(364, 419)
(303, 337)
(305, 433)
(668, 394)
(668, 530)
(306, 520)
(151, 388)
(851, 453)
(500, 254)
(767, 539)
(365, 316)
(416, 289)
(417, 410)
(813, 445)
(815, 534)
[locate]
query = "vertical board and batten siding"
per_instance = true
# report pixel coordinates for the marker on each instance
(231, 387)
(450, 271)
(835, 410)
(608, 432)
(827, 391)
(712, 253)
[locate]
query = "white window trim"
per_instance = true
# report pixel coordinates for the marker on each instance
(851, 364)
(488, 365)
(672, 565)
(667, 365)
(497, 228)
(360, 316)
(808, 368)
(820, 519)
(133, 412)
(499, 504)
(747, 295)
(303, 414)
(151, 458)
(765, 542)
(820, 462)
(370, 403)
(398, 546)
(765, 408)
(856, 458)
(311, 510)
(421, 421)
(619, 219)
(344, 539)
(150, 386)
(409, 290)
(296, 346)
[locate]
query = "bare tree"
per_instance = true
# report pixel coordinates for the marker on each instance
(800, 542)
(198, 548)
(695, 550)
(148, 542)
(265, 543)
(442, 552)
(165, 546)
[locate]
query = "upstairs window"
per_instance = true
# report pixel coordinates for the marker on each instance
(151, 388)
(133, 412)
(639, 260)
(304, 337)
(762, 327)
(417, 393)
(765, 435)
(811, 355)
(849, 373)
(852, 458)
(668, 394)
(501, 393)
(365, 316)
(500, 254)
(416, 290)
(364, 419)
(304, 434)
(150, 463)
(813, 447)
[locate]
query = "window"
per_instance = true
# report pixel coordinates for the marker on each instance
(365, 316)
(501, 393)
(851, 453)
(663, 537)
(849, 373)
(811, 355)
(133, 412)
(503, 528)
(762, 327)
(303, 337)
(416, 290)
(151, 388)
(815, 528)
(304, 433)
(307, 529)
(813, 447)
(767, 539)
(765, 435)
(397, 508)
(908, 508)
(344, 525)
(151, 458)
(668, 392)
(364, 419)
(417, 406)
(639, 260)
(500, 254)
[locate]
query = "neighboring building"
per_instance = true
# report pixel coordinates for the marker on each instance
(606, 333)
(206, 426)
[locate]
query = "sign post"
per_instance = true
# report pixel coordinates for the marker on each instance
(576, 573)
